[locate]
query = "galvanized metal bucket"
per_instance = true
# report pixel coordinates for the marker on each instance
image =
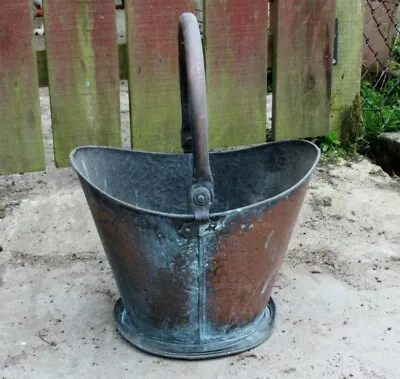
(195, 241)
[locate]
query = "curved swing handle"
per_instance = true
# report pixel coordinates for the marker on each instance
(194, 114)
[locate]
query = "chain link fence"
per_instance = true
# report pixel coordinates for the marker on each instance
(380, 84)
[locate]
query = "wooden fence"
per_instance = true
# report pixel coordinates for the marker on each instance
(83, 64)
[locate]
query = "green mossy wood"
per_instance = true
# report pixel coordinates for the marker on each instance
(236, 41)
(41, 58)
(21, 146)
(153, 72)
(304, 35)
(83, 74)
(347, 72)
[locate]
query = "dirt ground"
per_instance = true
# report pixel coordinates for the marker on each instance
(338, 294)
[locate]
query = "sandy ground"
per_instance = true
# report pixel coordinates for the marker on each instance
(338, 294)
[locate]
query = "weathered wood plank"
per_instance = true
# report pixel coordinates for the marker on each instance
(21, 146)
(347, 72)
(152, 35)
(236, 35)
(271, 25)
(304, 34)
(83, 74)
(41, 58)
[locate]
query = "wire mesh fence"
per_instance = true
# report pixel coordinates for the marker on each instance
(380, 84)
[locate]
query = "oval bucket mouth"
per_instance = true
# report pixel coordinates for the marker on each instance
(243, 177)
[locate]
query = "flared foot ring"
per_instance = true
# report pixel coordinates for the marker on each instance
(260, 332)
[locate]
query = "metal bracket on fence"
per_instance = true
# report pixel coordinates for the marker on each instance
(335, 43)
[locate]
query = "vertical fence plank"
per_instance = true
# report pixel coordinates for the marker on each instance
(152, 42)
(347, 72)
(304, 34)
(236, 33)
(21, 146)
(83, 74)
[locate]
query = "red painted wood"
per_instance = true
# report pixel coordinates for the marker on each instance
(82, 60)
(21, 146)
(236, 62)
(152, 42)
(271, 23)
(302, 69)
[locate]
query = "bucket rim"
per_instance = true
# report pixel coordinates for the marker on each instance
(186, 216)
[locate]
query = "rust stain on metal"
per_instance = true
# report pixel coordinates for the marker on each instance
(244, 268)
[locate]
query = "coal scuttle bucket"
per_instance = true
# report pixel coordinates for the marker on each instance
(195, 241)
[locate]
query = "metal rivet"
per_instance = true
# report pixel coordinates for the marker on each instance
(201, 197)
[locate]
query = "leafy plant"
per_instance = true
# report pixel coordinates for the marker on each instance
(396, 49)
(381, 107)
(330, 147)
(394, 65)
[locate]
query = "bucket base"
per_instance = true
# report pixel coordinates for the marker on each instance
(213, 349)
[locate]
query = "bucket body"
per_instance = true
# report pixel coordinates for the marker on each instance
(195, 240)
(193, 288)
